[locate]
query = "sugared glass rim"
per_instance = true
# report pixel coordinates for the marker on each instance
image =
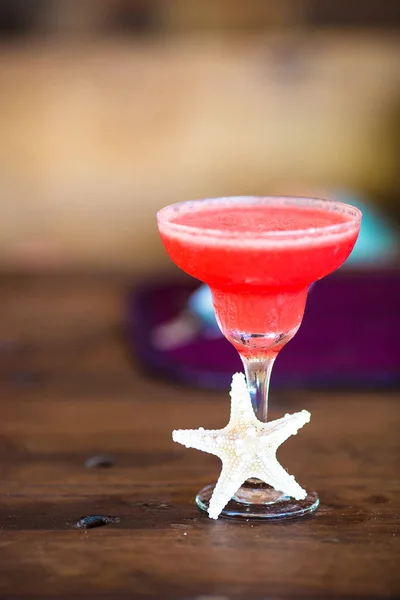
(166, 215)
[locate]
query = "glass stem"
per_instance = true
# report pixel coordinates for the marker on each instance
(258, 374)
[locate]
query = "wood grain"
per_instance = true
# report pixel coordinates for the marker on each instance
(69, 390)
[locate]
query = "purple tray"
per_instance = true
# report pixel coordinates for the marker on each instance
(349, 336)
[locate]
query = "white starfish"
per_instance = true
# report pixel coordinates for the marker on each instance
(247, 448)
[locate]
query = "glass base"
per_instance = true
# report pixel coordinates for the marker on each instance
(257, 500)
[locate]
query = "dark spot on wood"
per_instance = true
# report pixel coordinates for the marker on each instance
(91, 521)
(99, 462)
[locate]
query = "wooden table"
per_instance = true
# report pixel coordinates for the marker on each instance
(69, 390)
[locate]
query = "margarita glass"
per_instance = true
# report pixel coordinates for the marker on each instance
(259, 256)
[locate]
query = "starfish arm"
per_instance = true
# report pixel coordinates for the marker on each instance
(280, 430)
(233, 474)
(272, 473)
(241, 407)
(200, 439)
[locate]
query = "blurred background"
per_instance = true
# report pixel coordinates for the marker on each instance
(111, 109)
